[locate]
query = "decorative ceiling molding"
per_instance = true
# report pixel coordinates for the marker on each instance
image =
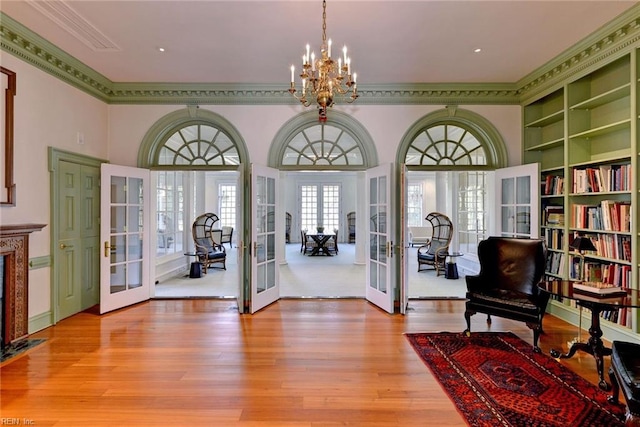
(216, 93)
(35, 50)
(611, 41)
(75, 24)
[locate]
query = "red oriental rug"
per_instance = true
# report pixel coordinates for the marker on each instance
(495, 379)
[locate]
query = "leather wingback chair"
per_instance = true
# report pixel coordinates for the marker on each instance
(507, 286)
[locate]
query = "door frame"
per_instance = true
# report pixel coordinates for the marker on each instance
(55, 157)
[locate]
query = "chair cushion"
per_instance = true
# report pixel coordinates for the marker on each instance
(505, 299)
(216, 255)
(625, 357)
(426, 256)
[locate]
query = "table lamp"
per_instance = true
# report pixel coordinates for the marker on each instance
(580, 244)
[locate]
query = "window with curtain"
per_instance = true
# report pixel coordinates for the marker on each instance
(414, 205)
(472, 221)
(447, 145)
(170, 212)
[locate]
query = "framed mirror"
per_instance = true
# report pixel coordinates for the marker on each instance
(7, 186)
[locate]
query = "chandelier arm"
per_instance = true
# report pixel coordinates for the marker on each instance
(322, 77)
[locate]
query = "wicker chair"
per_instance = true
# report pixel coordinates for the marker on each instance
(227, 236)
(434, 252)
(207, 242)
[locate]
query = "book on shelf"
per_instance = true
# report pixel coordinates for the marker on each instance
(603, 178)
(554, 215)
(553, 185)
(598, 288)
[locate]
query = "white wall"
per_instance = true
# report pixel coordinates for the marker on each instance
(49, 112)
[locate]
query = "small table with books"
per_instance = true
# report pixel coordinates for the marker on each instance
(597, 298)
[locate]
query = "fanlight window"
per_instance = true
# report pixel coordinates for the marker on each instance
(199, 144)
(445, 144)
(322, 145)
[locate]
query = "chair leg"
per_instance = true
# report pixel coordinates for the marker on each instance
(615, 387)
(467, 318)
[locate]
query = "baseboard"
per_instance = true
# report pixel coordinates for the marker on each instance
(40, 322)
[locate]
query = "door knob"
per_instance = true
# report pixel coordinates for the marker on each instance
(63, 246)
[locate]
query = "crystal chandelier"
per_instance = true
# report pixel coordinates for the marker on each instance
(324, 77)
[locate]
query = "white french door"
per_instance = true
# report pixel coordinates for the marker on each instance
(403, 240)
(265, 280)
(380, 284)
(125, 236)
(241, 244)
(518, 192)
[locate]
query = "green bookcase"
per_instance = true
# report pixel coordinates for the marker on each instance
(585, 137)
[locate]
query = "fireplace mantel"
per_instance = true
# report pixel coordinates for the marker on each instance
(14, 246)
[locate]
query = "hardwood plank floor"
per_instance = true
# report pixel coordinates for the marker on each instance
(199, 363)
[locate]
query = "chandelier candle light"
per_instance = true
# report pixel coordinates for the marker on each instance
(322, 77)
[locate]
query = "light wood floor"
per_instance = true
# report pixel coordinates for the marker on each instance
(199, 363)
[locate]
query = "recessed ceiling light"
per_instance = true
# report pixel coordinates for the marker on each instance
(161, 49)
(477, 50)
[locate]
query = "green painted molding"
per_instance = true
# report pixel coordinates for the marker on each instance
(607, 43)
(35, 50)
(39, 262)
(276, 94)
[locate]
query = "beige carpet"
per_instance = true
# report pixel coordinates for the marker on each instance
(311, 277)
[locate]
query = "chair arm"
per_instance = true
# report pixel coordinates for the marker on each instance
(424, 248)
(442, 252)
(476, 283)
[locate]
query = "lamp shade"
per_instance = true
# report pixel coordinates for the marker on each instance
(582, 243)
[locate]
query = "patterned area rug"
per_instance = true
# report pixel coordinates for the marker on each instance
(495, 379)
(19, 347)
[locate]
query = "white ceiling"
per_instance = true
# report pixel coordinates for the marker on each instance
(242, 41)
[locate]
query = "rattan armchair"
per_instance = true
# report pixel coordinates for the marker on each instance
(209, 252)
(434, 253)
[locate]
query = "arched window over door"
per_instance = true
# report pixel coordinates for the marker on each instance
(340, 143)
(192, 139)
(450, 151)
(186, 148)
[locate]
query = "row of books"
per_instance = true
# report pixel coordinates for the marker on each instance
(613, 246)
(555, 263)
(614, 274)
(610, 215)
(553, 185)
(554, 237)
(554, 215)
(621, 316)
(602, 178)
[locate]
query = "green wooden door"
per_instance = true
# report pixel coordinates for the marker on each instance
(77, 252)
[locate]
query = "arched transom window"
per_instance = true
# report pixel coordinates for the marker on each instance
(445, 144)
(321, 145)
(198, 144)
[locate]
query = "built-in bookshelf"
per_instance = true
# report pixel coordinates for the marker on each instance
(585, 137)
